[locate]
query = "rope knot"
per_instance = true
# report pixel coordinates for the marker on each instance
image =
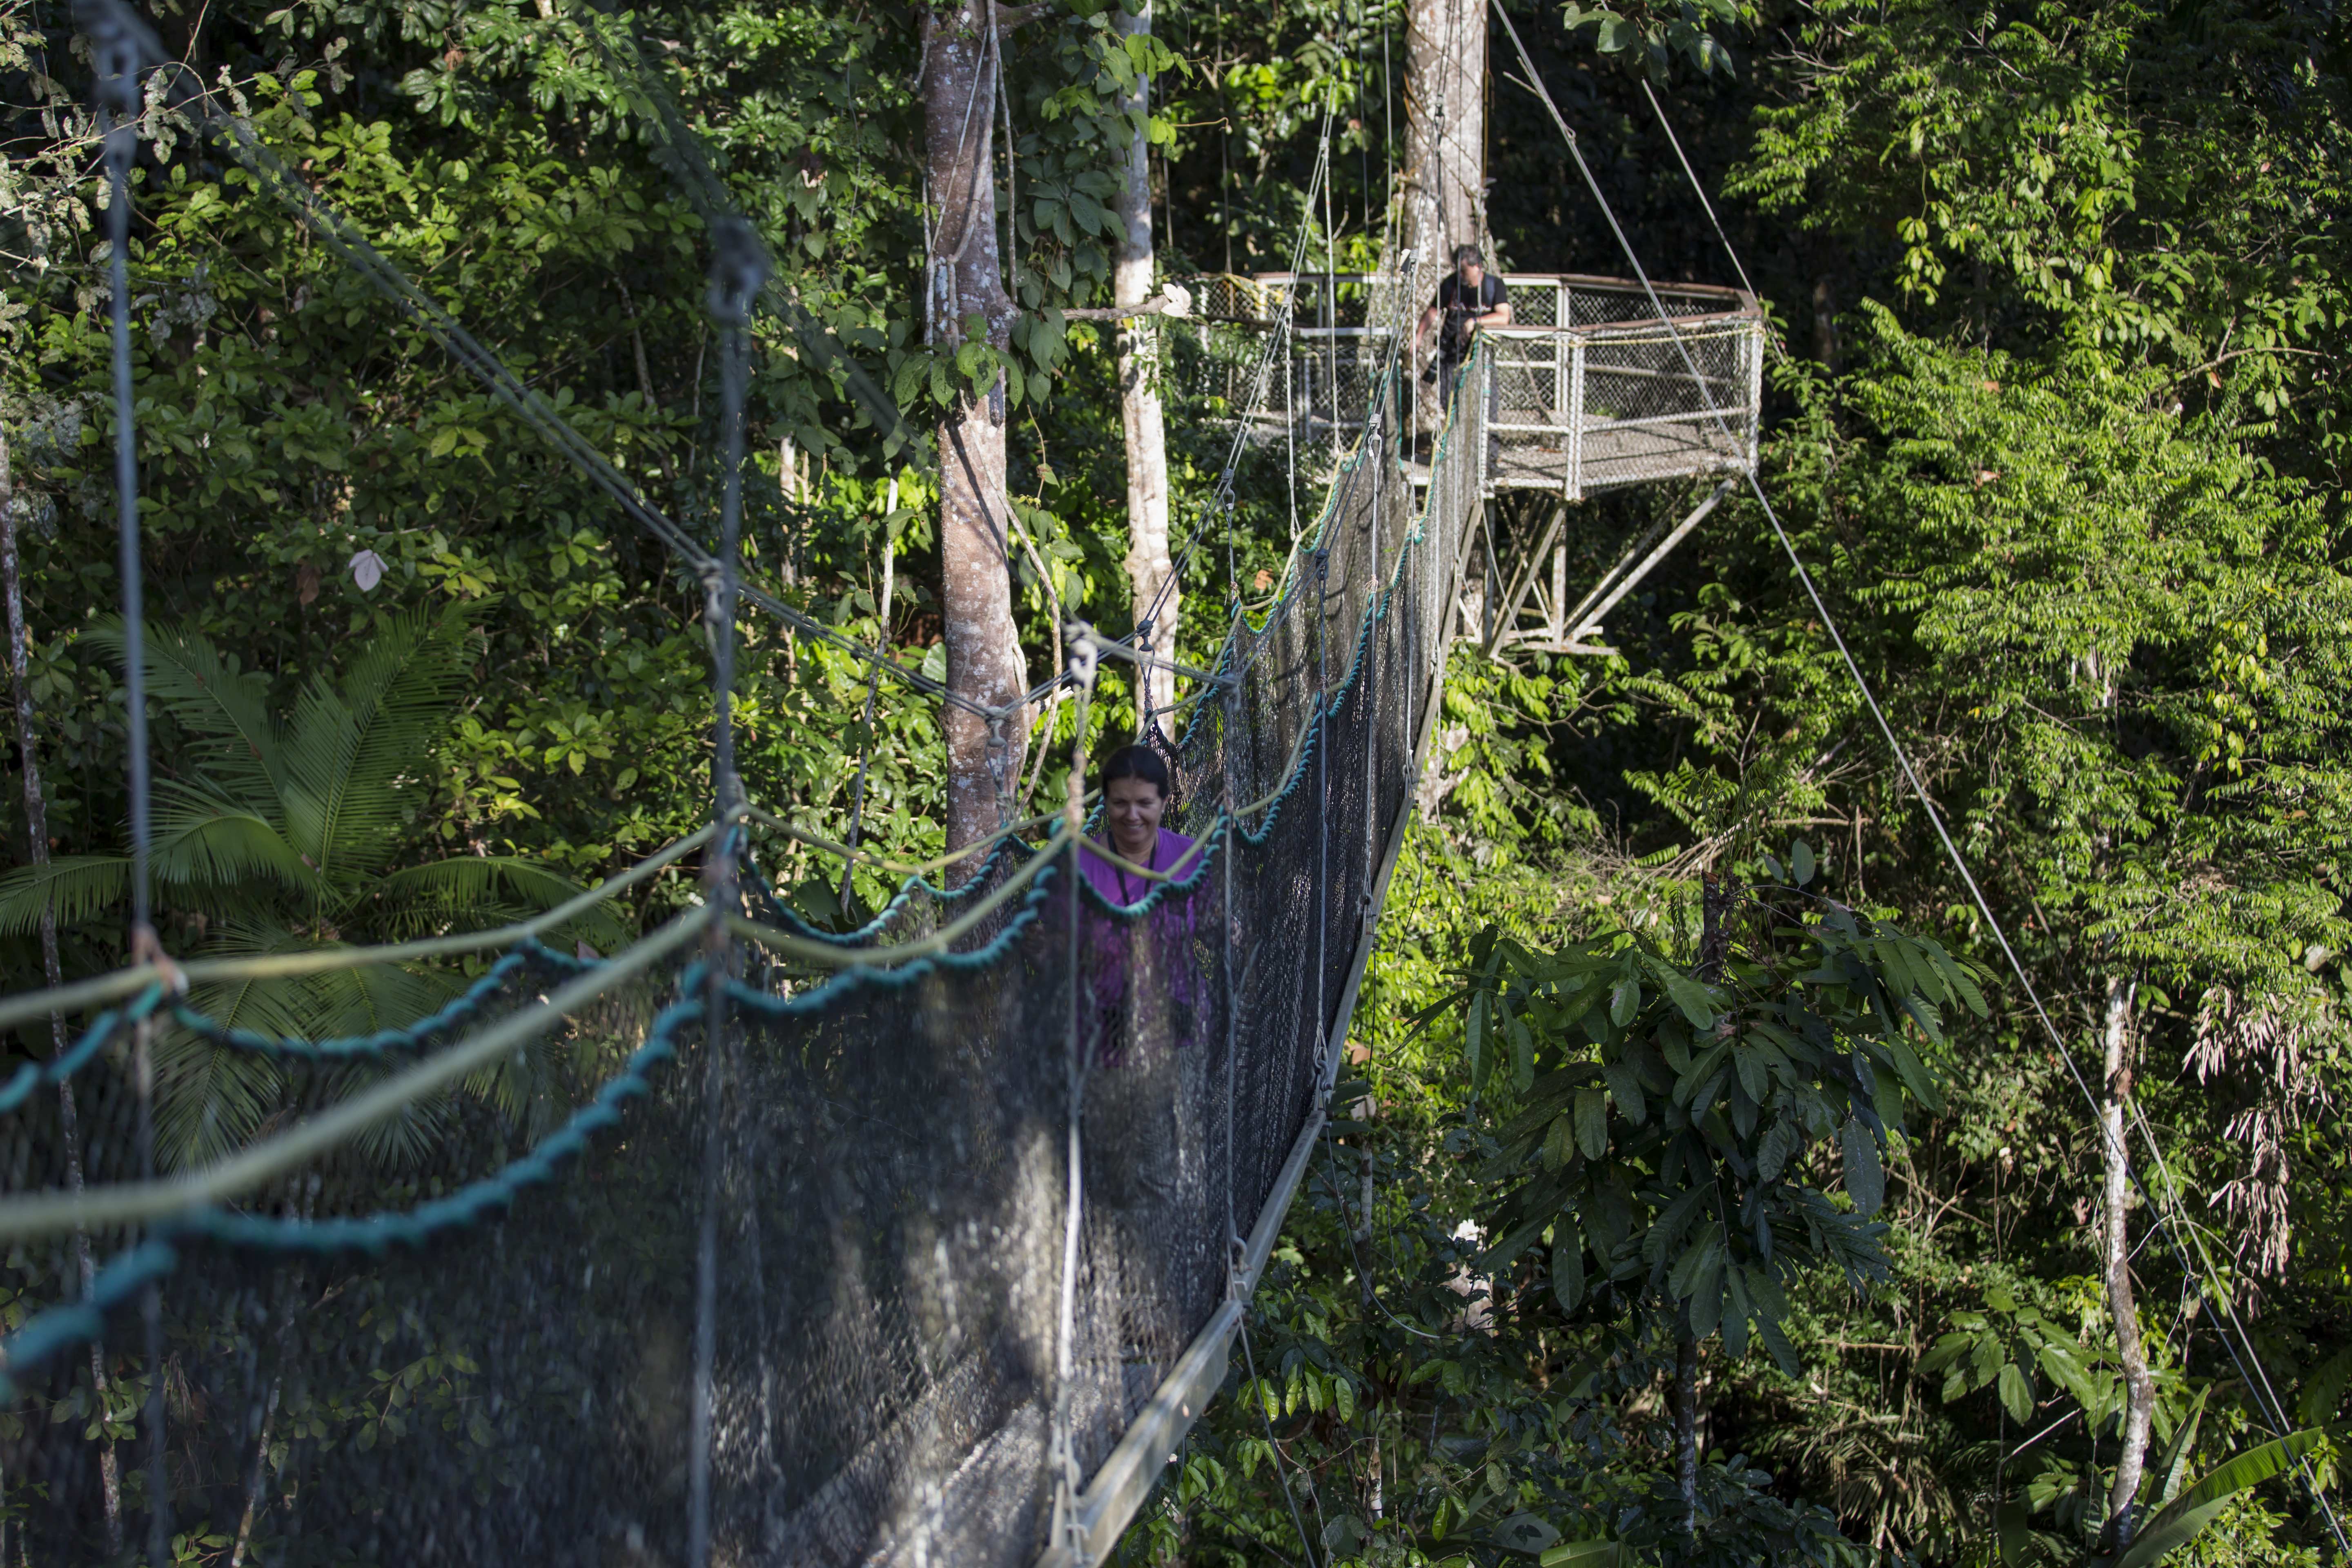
(148, 948)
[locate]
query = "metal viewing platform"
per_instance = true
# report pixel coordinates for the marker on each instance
(1588, 392)
(1591, 391)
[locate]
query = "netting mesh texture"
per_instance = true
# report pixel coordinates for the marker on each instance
(472, 1334)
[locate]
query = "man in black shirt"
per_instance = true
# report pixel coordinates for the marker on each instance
(1467, 298)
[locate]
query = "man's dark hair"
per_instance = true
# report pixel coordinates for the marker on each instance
(1139, 762)
(1467, 256)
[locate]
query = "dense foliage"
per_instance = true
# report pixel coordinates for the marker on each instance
(2061, 428)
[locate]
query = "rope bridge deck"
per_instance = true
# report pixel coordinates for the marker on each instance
(751, 1243)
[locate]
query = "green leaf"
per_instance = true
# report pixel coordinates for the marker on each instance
(1616, 35)
(1586, 1554)
(1801, 862)
(1780, 1141)
(2188, 1515)
(1624, 1001)
(2172, 1465)
(1625, 1088)
(1568, 1268)
(2322, 1391)
(2016, 1394)
(1475, 1035)
(1592, 1122)
(1522, 1053)
(1865, 1178)
(1691, 998)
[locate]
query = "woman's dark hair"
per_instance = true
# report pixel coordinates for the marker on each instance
(1139, 762)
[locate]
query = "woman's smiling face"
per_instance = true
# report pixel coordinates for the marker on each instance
(1132, 807)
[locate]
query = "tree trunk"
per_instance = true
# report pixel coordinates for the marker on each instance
(1149, 575)
(2139, 1388)
(967, 296)
(1446, 131)
(36, 833)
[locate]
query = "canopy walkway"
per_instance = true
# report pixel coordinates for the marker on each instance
(755, 1243)
(752, 1243)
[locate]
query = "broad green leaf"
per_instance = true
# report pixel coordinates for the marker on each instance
(1625, 1087)
(2173, 1466)
(1780, 1141)
(1691, 998)
(1586, 1554)
(1916, 1075)
(1865, 1178)
(2188, 1515)
(1568, 1268)
(1753, 1077)
(1800, 861)
(2016, 1393)
(1592, 1122)
(1624, 1001)
(1522, 1053)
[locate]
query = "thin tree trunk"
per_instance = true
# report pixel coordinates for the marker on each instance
(2139, 1388)
(1151, 575)
(967, 293)
(1445, 130)
(37, 834)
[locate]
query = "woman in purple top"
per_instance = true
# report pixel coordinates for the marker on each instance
(1143, 987)
(1135, 795)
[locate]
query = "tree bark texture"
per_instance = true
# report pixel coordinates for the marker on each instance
(1150, 573)
(1444, 189)
(966, 289)
(2140, 1387)
(37, 832)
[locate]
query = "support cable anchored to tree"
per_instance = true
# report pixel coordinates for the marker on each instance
(2190, 1253)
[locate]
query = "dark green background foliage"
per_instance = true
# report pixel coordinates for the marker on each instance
(2061, 427)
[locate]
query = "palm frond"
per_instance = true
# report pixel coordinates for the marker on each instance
(78, 887)
(377, 996)
(354, 743)
(472, 891)
(225, 711)
(207, 844)
(210, 1102)
(404, 1141)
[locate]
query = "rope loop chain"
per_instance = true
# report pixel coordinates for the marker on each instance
(919, 1243)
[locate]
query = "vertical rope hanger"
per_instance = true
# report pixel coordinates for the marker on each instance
(1062, 1456)
(120, 45)
(738, 267)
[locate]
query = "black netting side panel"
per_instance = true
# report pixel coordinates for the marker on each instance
(914, 1339)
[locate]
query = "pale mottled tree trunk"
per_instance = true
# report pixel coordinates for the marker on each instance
(1150, 573)
(1445, 130)
(2140, 1387)
(37, 832)
(966, 285)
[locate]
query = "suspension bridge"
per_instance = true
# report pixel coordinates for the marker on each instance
(923, 1243)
